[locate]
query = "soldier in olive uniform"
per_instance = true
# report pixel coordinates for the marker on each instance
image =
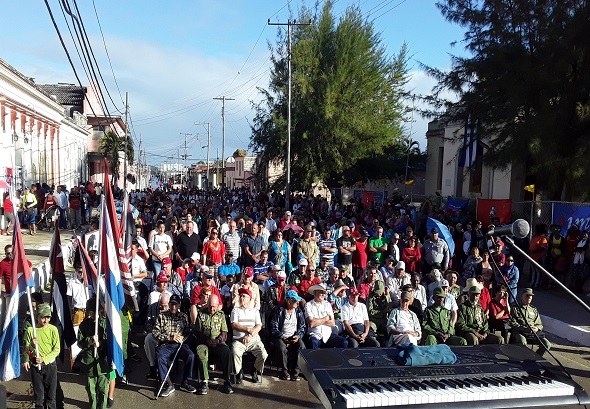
(96, 368)
(526, 322)
(472, 323)
(379, 307)
(437, 326)
(211, 332)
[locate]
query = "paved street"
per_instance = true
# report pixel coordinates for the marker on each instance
(272, 393)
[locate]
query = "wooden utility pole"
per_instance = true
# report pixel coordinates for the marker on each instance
(223, 99)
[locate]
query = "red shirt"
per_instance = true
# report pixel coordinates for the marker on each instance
(7, 205)
(5, 272)
(306, 283)
(281, 291)
(485, 298)
(182, 272)
(214, 252)
(496, 307)
(195, 294)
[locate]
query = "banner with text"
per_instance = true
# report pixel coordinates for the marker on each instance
(567, 215)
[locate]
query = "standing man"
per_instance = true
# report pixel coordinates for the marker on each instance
(378, 246)
(436, 253)
(327, 247)
(232, 239)
(211, 332)
(187, 242)
(346, 246)
(62, 202)
(509, 275)
(171, 328)
(160, 247)
(252, 245)
(308, 248)
(526, 323)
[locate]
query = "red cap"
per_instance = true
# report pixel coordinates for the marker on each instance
(163, 278)
(249, 272)
(166, 261)
(245, 291)
(353, 291)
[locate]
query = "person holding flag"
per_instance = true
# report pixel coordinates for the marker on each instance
(44, 368)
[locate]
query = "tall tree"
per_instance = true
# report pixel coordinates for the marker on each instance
(347, 98)
(110, 145)
(527, 82)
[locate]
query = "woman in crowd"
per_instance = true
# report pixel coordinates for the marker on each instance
(8, 213)
(279, 250)
(472, 264)
(411, 255)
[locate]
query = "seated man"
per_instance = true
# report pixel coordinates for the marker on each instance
(438, 324)
(150, 342)
(449, 303)
(379, 307)
(170, 330)
(245, 321)
(356, 322)
(211, 332)
(320, 320)
(472, 323)
(287, 326)
(403, 325)
(526, 323)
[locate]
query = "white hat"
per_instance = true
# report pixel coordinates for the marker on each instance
(317, 287)
(444, 283)
(282, 275)
(204, 269)
(436, 274)
(303, 262)
(195, 256)
(400, 265)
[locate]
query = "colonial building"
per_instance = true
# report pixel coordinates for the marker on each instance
(40, 141)
(451, 171)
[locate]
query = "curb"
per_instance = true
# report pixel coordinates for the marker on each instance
(564, 330)
(42, 272)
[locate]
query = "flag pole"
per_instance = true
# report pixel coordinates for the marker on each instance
(33, 323)
(98, 271)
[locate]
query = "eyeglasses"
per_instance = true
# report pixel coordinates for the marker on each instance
(213, 232)
(312, 270)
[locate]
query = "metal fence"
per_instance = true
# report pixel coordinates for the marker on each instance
(539, 212)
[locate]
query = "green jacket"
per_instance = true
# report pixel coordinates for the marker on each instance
(523, 316)
(471, 318)
(378, 307)
(437, 321)
(92, 365)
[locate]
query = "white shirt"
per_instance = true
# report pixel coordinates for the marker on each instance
(321, 310)
(355, 314)
(137, 267)
(395, 284)
(155, 296)
(420, 295)
(79, 293)
(450, 303)
(290, 324)
(160, 243)
(248, 317)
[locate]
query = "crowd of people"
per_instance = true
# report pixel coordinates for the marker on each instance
(224, 273)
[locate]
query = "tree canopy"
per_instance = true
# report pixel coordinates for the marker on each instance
(347, 98)
(110, 145)
(527, 83)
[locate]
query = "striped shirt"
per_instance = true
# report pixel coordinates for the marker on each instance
(248, 317)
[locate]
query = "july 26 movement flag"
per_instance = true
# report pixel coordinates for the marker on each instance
(20, 277)
(109, 251)
(60, 316)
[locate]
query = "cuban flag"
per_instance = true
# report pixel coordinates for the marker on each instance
(61, 316)
(126, 236)
(108, 267)
(88, 268)
(20, 276)
(470, 144)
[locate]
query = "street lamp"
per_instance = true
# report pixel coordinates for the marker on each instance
(411, 144)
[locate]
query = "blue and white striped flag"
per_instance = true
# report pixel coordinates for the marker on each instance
(20, 278)
(109, 267)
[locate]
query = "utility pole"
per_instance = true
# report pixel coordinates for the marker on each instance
(223, 99)
(139, 164)
(185, 156)
(126, 133)
(289, 24)
(208, 147)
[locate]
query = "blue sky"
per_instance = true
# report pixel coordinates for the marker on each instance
(174, 57)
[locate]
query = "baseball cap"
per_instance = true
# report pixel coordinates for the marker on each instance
(166, 261)
(400, 265)
(43, 310)
(249, 272)
(282, 275)
(245, 291)
(406, 296)
(195, 256)
(439, 292)
(353, 291)
(303, 262)
(162, 278)
(444, 283)
(174, 299)
(292, 294)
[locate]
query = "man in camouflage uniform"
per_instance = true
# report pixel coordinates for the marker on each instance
(472, 323)
(379, 307)
(526, 322)
(437, 326)
(211, 332)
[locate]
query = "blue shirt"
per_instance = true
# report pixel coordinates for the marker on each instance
(261, 269)
(228, 270)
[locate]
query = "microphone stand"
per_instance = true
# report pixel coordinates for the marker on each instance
(547, 273)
